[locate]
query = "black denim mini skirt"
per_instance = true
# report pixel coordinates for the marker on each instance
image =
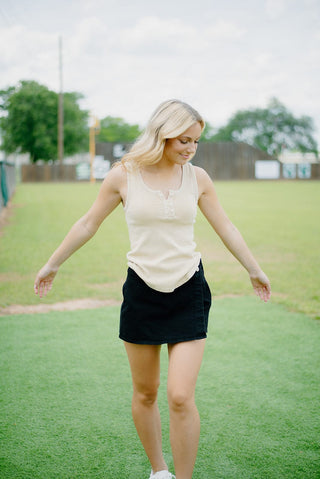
(152, 317)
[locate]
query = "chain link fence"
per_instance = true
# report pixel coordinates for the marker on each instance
(7, 182)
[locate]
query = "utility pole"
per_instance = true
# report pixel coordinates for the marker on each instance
(60, 107)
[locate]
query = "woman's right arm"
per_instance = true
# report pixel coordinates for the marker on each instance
(109, 197)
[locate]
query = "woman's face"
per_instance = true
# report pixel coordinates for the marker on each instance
(183, 148)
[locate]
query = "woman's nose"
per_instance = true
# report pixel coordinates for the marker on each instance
(192, 147)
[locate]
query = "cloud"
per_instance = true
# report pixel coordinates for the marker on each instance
(26, 54)
(224, 30)
(155, 36)
(275, 8)
(88, 38)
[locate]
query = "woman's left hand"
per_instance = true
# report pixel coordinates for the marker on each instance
(261, 285)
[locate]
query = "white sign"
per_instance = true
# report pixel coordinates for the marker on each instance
(118, 150)
(289, 170)
(83, 171)
(304, 170)
(267, 170)
(100, 167)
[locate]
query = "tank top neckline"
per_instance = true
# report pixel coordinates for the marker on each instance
(160, 192)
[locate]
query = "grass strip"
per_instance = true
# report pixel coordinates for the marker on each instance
(279, 220)
(66, 392)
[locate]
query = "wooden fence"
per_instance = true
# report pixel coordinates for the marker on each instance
(228, 160)
(222, 161)
(49, 172)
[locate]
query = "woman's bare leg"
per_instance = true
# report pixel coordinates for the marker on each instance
(184, 364)
(145, 370)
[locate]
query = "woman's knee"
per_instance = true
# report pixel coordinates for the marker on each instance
(146, 395)
(179, 400)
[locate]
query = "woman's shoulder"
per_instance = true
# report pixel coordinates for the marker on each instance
(118, 170)
(201, 174)
(116, 176)
(203, 180)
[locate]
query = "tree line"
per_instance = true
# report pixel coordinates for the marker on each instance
(29, 124)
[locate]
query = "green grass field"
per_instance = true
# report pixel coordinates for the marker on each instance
(65, 384)
(279, 220)
(65, 396)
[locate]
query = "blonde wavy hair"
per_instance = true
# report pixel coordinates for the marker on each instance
(169, 120)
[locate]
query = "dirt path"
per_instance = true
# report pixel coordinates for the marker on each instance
(72, 305)
(63, 306)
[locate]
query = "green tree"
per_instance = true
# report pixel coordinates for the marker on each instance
(30, 117)
(271, 129)
(115, 129)
(208, 132)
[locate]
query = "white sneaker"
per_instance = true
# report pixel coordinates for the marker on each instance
(162, 475)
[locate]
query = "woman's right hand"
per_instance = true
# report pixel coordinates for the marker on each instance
(44, 280)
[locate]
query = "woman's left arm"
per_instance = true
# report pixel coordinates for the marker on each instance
(211, 208)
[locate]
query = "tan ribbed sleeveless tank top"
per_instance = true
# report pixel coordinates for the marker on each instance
(161, 230)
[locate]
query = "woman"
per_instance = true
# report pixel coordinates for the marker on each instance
(166, 297)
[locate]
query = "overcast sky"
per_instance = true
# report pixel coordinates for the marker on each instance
(126, 56)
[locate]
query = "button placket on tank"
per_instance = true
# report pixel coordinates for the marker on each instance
(170, 212)
(168, 205)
